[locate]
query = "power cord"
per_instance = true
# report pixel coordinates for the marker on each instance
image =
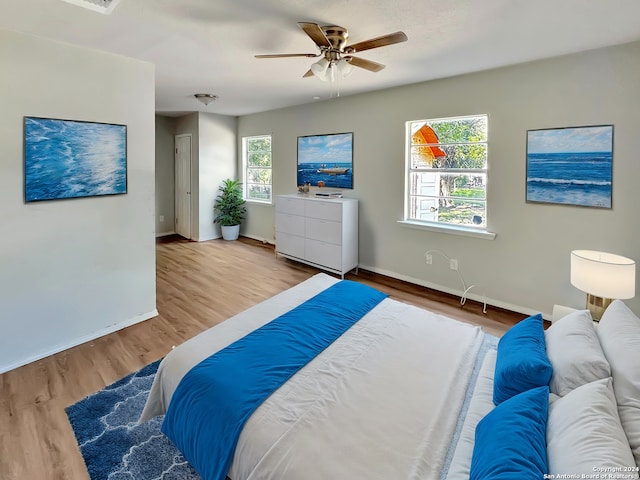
(463, 298)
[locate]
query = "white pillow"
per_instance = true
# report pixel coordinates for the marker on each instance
(574, 351)
(619, 334)
(584, 433)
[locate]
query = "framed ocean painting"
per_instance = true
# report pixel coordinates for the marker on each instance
(326, 160)
(71, 159)
(570, 166)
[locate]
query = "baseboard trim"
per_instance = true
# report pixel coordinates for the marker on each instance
(458, 293)
(80, 340)
(164, 234)
(259, 239)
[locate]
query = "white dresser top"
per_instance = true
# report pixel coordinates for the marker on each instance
(315, 198)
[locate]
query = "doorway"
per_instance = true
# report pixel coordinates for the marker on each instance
(183, 185)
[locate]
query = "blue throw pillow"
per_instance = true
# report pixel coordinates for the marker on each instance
(522, 362)
(510, 441)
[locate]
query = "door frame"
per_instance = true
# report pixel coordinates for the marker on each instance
(189, 196)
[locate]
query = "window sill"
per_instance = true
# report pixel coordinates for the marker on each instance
(259, 202)
(449, 229)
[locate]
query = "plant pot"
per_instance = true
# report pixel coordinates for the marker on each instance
(230, 233)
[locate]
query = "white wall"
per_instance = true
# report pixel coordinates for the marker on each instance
(526, 267)
(216, 162)
(73, 270)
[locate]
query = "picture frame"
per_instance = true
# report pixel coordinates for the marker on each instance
(570, 166)
(326, 160)
(73, 158)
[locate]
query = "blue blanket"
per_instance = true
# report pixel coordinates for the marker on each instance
(216, 397)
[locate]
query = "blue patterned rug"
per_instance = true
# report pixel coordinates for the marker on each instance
(114, 446)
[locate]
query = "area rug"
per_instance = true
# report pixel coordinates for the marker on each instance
(114, 446)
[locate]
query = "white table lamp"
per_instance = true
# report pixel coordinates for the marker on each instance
(603, 277)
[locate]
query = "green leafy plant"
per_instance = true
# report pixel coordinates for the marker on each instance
(229, 204)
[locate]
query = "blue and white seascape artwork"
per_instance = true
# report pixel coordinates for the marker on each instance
(571, 166)
(70, 159)
(327, 159)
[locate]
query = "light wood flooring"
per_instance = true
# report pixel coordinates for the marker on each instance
(198, 286)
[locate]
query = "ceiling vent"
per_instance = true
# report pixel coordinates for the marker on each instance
(102, 6)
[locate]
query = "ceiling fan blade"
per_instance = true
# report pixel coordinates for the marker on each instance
(315, 32)
(308, 74)
(366, 64)
(287, 55)
(382, 41)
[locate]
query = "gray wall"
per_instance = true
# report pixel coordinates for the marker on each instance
(165, 175)
(188, 124)
(213, 159)
(526, 267)
(73, 270)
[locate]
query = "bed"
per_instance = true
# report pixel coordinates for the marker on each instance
(405, 393)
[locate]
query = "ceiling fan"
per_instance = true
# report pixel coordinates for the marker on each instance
(335, 51)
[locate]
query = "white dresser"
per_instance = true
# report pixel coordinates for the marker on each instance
(322, 232)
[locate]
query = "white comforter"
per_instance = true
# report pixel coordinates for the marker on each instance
(379, 403)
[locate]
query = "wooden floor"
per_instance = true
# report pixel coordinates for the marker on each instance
(198, 285)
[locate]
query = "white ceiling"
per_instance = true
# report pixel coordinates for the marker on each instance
(208, 46)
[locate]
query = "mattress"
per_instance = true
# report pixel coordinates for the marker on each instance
(382, 401)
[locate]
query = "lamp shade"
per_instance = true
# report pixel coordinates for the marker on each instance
(319, 69)
(603, 274)
(344, 67)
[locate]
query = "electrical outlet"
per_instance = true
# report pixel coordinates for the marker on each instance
(162, 218)
(453, 264)
(428, 259)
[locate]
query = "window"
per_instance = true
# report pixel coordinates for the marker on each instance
(446, 172)
(256, 159)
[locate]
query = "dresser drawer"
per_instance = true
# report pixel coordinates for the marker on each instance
(287, 223)
(290, 244)
(323, 230)
(324, 210)
(294, 206)
(320, 231)
(323, 253)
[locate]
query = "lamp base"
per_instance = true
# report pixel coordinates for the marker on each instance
(597, 306)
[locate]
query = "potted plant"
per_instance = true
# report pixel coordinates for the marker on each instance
(230, 208)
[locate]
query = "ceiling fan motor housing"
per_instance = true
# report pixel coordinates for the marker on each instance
(337, 37)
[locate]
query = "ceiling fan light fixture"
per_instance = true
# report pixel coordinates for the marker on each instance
(337, 62)
(344, 67)
(319, 69)
(205, 98)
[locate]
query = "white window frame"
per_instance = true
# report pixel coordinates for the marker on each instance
(245, 169)
(443, 227)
